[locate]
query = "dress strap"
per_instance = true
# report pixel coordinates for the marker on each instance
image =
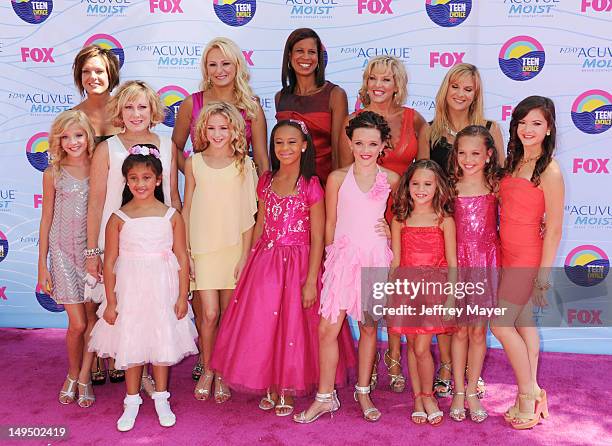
(488, 125)
(122, 215)
(169, 213)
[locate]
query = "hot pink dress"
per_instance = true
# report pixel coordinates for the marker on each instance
(356, 245)
(266, 339)
(146, 329)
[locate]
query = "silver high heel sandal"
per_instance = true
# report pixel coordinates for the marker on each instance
(457, 414)
(69, 392)
(329, 398)
(371, 413)
(478, 415)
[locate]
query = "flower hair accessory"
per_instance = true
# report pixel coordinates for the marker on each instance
(301, 124)
(144, 150)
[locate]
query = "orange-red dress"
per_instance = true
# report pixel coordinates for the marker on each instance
(521, 216)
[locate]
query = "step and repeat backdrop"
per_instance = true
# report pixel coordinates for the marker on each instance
(557, 48)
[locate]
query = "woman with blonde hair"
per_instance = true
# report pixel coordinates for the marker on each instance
(225, 77)
(384, 91)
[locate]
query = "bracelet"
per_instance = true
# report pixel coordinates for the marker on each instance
(541, 286)
(92, 252)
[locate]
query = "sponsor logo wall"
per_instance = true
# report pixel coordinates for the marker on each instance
(557, 48)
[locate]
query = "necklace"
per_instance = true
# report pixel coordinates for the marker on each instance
(527, 161)
(451, 132)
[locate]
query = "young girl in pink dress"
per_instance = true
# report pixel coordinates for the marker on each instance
(423, 242)
(473, 174)
(146, 282)
(267, 341)
(356, 198)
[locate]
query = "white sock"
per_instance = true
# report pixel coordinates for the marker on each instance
(162, 407)
(130, 411)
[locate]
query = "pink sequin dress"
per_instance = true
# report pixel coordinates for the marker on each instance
(266, 340)
(356, 245)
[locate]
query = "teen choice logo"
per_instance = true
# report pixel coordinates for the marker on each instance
(36, 151)
(521, 58)
(172, 97)
(32, 11)
(4, 248)
(587, 265)
(110, 43)
(235, 12)
(592, 111)
(46, 302)
(448, 13)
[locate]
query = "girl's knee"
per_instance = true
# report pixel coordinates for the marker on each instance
(477, 335)
(210, 317)
(77, 327)
(368, 331)
(461, 334)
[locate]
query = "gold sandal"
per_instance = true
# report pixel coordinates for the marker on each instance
(398, 382)
(222, 392)
(202, 392)
(86, 399)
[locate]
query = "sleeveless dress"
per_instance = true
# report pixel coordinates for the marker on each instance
(315, 111)
(198, 104)
(356, 245)
(68, 238)
(521, 217)
(146, 329)
(115, 182)
(478, 249)
(266, 339)
(223, 208)
(440, 150)
(424, 259)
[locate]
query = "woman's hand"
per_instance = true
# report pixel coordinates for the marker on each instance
(110, 314)
(94, 267)
(382, 228)
(44, 279)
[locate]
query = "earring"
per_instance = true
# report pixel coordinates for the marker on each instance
(303, 150)
(548, 133)
(487, 161)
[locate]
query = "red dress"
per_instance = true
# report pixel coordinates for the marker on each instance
(422, 259)
(315, 111)
(521, 216)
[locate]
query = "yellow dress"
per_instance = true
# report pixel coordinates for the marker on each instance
(223, 208)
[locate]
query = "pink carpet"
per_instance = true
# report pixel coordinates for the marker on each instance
(33, 365)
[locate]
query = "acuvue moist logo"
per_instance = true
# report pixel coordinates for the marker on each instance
(592, 111)
(47, 302)
(97, 8)
(175, 56)
(172, 97)
(312, 9)
(587, 265)
(108, 42)
(521, 58)
(4, 246)
(589, 216)
(235, 12)
(448, 13)
(34, 12)
(36, 151)
(43, 103)
(531, 8)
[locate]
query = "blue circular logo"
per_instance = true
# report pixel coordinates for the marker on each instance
(522, 58)
(235, 12)
(592, 111)
(32, 11)
(448, 13)
(47, 302)
(4, 246)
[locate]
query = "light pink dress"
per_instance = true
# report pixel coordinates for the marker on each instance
(146, 329)
(356, 245)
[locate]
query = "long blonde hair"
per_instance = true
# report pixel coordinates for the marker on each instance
(236, 126)
(59, 126)
(245, 98)
(400, 76)
(441, 120)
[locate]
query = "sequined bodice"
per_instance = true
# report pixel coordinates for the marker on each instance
(476, 219)
(287, 219)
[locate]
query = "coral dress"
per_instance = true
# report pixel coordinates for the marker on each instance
(266, 339)
(146, 329)
(315, 111)
(478, 248)
(424, 259)
(356, 245)
(521, 217)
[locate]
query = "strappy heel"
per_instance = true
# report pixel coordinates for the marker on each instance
(442, 387)
(147, 383)
(98, 375)
(418, 417)
(398, 382)
(457, 414)
(202, 392)
(69, 392)
(478, 415)
(371, 413)
(266, 402)
(282, 405)
(481, 386)
(437, 414)
(197, 371)
(222, 392)
(85, 399)
(527, 420)
(374, 377)
(325, 398)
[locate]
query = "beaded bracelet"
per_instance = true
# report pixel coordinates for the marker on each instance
(92, 252)
(541, 286)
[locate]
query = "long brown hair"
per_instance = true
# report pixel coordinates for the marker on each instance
(403, 205)
(516, 152)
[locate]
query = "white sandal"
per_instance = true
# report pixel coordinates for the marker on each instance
(266, 402)
(69, 393)
(281, 405)
(373, 411)
(84, 395)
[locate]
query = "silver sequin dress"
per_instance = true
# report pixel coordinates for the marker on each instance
(68, 238)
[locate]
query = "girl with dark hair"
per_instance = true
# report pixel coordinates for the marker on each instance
(272, 326)
(474, 176)
(146, 276)
(308, 97)
(355, 198)
(531, 195)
